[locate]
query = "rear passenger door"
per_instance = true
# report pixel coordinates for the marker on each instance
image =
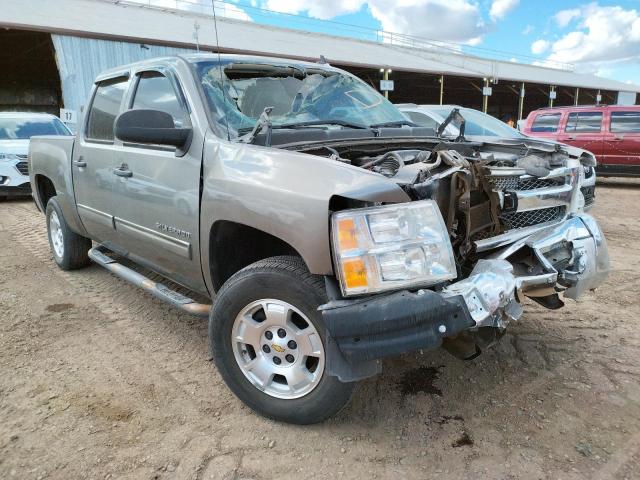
(94, 157)
(584, 129)
(622, 142)
(157, 208)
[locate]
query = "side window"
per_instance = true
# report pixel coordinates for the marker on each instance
(546, 123)
(155, 92)
(628, 122)
(105, 109)
(422, 119)
(584, 122)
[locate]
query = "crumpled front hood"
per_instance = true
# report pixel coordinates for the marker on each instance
(544, 145)
(18, 147)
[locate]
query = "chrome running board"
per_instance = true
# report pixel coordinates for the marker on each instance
(156, 289)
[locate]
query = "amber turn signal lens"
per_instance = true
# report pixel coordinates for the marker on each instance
(347, 235)
(355, 273)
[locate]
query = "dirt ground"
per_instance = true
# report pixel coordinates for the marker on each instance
(98, 380)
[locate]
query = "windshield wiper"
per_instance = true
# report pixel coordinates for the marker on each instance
(313, 123)
(397, 123)
(263, 122)
(457, 116)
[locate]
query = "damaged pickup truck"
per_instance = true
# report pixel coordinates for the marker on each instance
(329, 231)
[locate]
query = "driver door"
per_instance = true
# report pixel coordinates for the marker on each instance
(157, 206)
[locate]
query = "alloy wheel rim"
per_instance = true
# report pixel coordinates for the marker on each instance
(57, 239)
(278, 349)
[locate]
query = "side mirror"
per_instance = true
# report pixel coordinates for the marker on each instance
(151, 127)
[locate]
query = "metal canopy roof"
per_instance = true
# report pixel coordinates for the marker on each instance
(122, 20)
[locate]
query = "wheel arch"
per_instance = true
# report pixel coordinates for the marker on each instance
(233, 246)
(45, 190)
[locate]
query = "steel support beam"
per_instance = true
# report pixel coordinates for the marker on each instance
(485, 98)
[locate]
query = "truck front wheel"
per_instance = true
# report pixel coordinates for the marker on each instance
(68, 248)
(269, 343)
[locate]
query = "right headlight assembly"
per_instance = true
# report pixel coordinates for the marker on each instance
(391, 247)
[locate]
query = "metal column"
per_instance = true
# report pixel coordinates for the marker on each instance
(485, 98)
(385, 76)
(441, 88)
(575, 100)
(521, 102)
(552, 95)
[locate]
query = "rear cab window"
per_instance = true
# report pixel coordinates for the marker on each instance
(584, 122)
(625, 121)
(546, 122)
(104, 109)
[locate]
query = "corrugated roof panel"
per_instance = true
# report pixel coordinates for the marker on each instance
(80, 60)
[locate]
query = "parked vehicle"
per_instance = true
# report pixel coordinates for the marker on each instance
(611, 132)
(480, 126)
(16, 128)
(329, 230)
(477, 123)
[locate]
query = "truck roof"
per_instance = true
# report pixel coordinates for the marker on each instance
(224, 58)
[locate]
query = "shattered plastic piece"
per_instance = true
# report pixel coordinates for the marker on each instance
(489, 293)
(534, 165)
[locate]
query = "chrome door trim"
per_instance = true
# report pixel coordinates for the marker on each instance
(96, 216)
(178, 247)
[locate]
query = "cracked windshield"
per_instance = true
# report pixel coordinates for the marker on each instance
(299, 97)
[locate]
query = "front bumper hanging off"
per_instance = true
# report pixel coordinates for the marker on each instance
(570, 257)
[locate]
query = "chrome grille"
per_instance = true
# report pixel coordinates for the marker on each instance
(22, 156)
(504, 183)
(23, 168)
(533, 183)
(518, 183)
(532, 217)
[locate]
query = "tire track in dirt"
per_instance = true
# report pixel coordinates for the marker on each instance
(127, 312)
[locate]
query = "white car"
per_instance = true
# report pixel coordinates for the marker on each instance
(482, 127)
(16, 128)
(478, 124)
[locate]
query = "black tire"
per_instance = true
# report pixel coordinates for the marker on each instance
(286, 279)
(74, 247)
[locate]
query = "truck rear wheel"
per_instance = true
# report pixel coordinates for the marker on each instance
(269, 343)
(68, 248)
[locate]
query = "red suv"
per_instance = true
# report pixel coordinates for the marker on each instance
(611, 133)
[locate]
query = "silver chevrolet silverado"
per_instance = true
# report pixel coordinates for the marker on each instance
(328, 230)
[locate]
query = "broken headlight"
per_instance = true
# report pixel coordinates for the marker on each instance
(391, 247)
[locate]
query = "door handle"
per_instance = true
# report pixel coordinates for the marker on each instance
(617, 139)
(570, 138)
(80, 162)
(123, 172)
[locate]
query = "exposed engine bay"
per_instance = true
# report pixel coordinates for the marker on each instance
(485, 191)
